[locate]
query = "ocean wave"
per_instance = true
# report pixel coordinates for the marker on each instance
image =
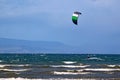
(1, 66)
(111, 65)
(20, 65)
(114, 66)
(43, 55)
(17, 60)
(95, 58)
(69, 62)
(70, 73)
(1, 60)
(43, 79)
(101, 69)
(14, 70)
(84, 71)
(70, 66)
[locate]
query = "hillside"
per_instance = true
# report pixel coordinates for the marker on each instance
(26, 46)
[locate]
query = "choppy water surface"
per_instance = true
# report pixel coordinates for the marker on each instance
(59, 66)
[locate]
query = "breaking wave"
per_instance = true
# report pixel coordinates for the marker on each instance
(6, 65)
(94, 58)
(42, 79)
(69, 62)
(14, 70)
(70, 73)
(70, 66)
(101, 69)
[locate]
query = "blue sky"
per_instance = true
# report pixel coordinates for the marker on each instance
(98, 27)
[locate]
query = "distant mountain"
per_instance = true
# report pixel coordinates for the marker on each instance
(26, 46)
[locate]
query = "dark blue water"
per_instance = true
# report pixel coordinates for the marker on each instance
(58, 58)
(60, 66)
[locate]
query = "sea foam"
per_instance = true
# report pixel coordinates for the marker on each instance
(14, 70)
(101, 69)
(111, 65)
(42, 79)
(95, 58)
(1, 61)
(70, 73)
(4, 65)
(69, 62)
(70, 66)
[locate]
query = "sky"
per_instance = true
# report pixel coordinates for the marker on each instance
(98, 29)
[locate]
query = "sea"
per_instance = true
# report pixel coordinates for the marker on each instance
(59, 66)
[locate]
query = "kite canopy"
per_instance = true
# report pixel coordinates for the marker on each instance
(75, 17)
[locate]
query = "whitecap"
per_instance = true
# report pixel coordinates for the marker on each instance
(111, 65)
(70, 66)
(101, 69)
(17, 60)
(94, 58)
(1, 61)
(14, 70)
(42, 79)
(1, 66)
(69, 62)
(20, 65)
(69, 73)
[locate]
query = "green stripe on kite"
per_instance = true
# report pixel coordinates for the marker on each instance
(75, 17)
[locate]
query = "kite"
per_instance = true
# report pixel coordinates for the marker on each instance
(75, 17)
